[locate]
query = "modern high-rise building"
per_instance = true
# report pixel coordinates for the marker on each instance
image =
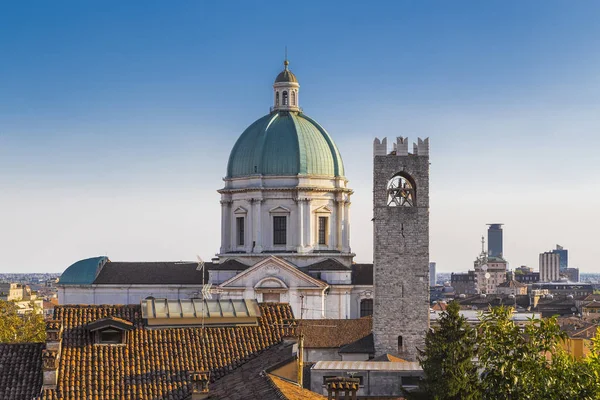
(495, 240)
(564, 257)
(549, 266)
(432, 276)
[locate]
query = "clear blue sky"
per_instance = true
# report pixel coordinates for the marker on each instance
(117, 118)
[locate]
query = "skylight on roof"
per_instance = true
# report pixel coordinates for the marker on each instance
(163, 312)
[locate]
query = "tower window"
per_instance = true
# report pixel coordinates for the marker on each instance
(400, 344)
(279, 230)
(293, 98)
(240, 230)
(276, 98)
(323, 230)
(284, 99)
(366, 307)
(401, 192)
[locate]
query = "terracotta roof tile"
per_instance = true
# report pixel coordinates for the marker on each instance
(154, 363)
(20, 371)
(324, 333)
(362, 345)
(291, 391)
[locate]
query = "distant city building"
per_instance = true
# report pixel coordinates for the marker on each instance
(432, 275)
(549, 266)
(512, 287)
(564, 257)
(10, 291)
(16, 292)
(564, 288)
(532, 277)
(490, 271)
(464, 283)
(495, 240)
(523, 269)
(572, 274)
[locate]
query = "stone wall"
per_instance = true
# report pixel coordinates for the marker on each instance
(401, 252)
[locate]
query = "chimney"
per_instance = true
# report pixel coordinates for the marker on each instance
(199, 385)
(341, 388)
(51, 354)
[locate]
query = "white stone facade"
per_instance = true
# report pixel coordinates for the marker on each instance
(270, 279)
(255, 201)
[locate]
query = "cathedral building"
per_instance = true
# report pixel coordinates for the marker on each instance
(285, 229)
(285, 235)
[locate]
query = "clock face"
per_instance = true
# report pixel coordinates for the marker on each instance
(400, 192)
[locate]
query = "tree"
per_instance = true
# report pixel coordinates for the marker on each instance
(447, 360)
(15, 328)
(530, 362)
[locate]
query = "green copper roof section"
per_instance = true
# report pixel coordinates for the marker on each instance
(83, 272)
(285, 144)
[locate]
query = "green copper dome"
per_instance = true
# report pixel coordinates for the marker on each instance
(83, 272)
(285, 144)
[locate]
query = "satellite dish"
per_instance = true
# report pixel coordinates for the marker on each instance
(487, 275)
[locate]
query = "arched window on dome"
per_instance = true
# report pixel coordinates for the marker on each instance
(276, 99)
(293, 98)
(284, 98)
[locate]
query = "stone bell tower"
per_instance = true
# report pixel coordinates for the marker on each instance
(401, 247)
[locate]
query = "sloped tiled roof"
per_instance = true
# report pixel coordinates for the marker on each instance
(20, 370)
(329, 264)
(578, 328)
(327, 333)
(389, 358)
(151, 273)
(362, 345)
(362, 274)
(512, 284)
(291, 391)
(229, 265)
(154, 363)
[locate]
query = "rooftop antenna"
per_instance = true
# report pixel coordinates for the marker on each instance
(201, 269)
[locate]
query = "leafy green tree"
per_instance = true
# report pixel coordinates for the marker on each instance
(530, 362)
(447, 360)
(15, 328)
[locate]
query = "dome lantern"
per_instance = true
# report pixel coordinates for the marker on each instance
(285, 90)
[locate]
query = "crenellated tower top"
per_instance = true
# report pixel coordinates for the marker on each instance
(400, 147)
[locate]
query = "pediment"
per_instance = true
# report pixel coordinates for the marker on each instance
(273, 272)
(240, 210)
(323, 209)
(279, 209)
